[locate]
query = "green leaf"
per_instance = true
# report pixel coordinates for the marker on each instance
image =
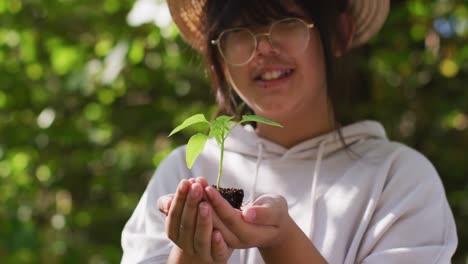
(195, 119)
(224, 119)
(250, 118)
(220, 128)
(195, 146)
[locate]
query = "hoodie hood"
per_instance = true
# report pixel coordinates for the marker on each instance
(245, 141)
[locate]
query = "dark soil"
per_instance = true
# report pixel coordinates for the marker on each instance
(233, 196)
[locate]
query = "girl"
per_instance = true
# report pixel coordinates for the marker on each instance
(317, 192)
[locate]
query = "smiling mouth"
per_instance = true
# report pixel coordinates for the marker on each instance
(274, 75)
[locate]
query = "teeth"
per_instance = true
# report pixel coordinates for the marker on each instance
(271, 75)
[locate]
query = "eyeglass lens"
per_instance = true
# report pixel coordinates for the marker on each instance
(238, 46)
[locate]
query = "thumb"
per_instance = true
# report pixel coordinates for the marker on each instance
(260, 215)
(164, 203)
(266, 210)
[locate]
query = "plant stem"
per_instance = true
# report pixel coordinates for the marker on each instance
(220, 171)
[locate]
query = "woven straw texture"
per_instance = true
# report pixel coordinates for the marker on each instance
(369, 16)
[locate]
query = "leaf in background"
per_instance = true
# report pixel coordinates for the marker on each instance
(194, 147)
(249, 118)
(198, 118)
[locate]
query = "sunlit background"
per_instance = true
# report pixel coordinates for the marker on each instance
(90, 89)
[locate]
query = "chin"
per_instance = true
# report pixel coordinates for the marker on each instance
(276, 112)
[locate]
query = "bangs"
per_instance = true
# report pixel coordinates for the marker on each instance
(230, 13)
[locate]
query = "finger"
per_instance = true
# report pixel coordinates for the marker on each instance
(164, 203)
(218, 223)
(189, 218)
(176, 209)
(261, 215)
(202, 181)
(202, 237)
(228, 236)
(223, 209)
(192, 180)
(245, 234)
(270, 199)
(265, 210)
(220, 252)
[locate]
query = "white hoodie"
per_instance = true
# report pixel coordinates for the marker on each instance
(378, 202)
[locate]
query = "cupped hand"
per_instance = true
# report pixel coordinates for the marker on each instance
(165, 201)
(263, 223)
(189, 224)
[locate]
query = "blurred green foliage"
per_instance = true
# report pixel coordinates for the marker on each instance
(87, 101)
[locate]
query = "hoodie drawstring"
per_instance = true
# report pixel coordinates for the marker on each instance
(253, 191)
(253, 188)
(320, 153)
(315, 177)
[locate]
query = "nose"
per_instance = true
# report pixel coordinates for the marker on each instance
(264, 45)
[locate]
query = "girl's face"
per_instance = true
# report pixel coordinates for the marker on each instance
(281, 85)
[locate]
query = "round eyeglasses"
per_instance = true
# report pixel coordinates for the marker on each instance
(237, 46)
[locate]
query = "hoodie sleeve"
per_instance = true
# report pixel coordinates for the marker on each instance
(412, 222)
(144, 239)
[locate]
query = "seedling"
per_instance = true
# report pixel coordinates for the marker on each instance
(220, 128)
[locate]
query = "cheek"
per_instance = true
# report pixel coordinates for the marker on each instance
(237, 78)
(314, 61)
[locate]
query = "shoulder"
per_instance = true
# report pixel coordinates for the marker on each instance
(407, 171)
(398, 163)
(169, 172)
(174, 161)
(408, 161)
(397, 154)
(411, 210)
(175, 157)
(413, 169)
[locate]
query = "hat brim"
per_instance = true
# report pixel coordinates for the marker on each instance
(369, 17)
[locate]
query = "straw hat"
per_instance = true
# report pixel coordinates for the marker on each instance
(369, 16)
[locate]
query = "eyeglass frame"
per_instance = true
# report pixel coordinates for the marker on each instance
(255, 37)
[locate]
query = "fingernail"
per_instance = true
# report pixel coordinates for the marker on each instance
(250, 215)
(208, 191)
(217, 236)
(203, 209)
(195, 193)
(183, 187)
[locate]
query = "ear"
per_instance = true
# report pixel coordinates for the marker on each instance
(347, 27)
